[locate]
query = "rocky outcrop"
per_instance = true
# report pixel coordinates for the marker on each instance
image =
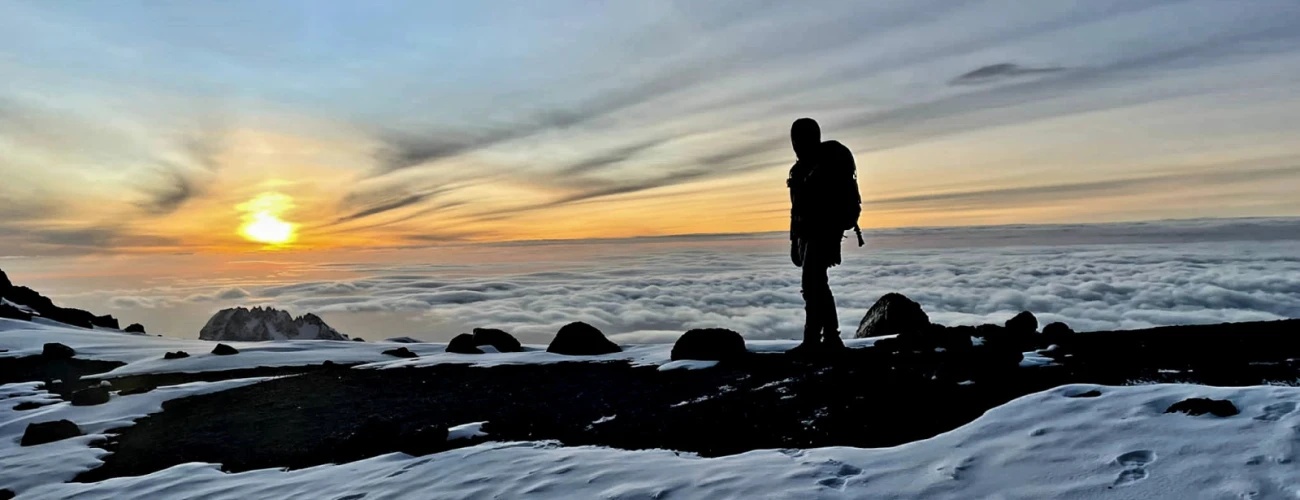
(176, 355)
(581, 339)
(134, 328)
(498, 339)
(11, 312)
(709, 344)
(463, 344)
(30, 302)
(224, 350)
(55, 350)
(1201, 406)
(49, 432)
(90, 396)
(892, 314)
(258, 324)
(1057, 329)
(401, 352)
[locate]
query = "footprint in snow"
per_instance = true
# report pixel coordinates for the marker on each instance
(1276, 411)
(1134, 463)
(842, 474)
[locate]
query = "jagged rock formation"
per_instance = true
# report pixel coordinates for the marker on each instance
(20, 302)
(260, 323)
(894, 313)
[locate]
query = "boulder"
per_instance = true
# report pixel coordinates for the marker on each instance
(55, 350)
(29, 405)
(90, 396)
(1201, 406)
(498, 339)
(176, 355)
(358, 339)
(581, 339)
(401, 352)
(463, 344)
(402, 340)
(709, 344)
(1022, 323)
(7, 494)
(224, 350)
(11, 312)
(1057, 329)
(892, 314)
(49, 432)
(134, 328)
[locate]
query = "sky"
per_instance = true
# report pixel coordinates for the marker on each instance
(253, 127)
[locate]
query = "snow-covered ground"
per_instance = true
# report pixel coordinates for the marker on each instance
(144, 354)
(22, 467)
(1120, 445)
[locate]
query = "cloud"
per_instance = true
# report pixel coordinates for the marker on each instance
(167, 199)
(994, 72)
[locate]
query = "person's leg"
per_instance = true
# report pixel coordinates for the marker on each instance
(816, 295)
(830, 321)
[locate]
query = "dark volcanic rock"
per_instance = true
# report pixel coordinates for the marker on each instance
(377, 436)
(134, 328)
(463, 344)
(498, 339)
(1025, 322)
(224, 350)
(1201, 406)
(892, 314)
(11, 312)
(259, 323)
(581, 339)
(1056, 329)
(55, 350)
(29, 405)
(401, 352)
(177, 354)
(105, 321)
(90, 396)
(4, 282)
(49, 432)
(709, 344)
(136, 390)
(7, 494)
(358, 339)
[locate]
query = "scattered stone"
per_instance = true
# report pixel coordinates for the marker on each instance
(29, 405)
(1201, 406)
(403, 340)
(55, 350)
(11, 312)
(709, 344)
(49, 432)
(90, 396)
(401, 352)
(463, 344)
(224, 350)
(358, 339)
(134, 328)
(1057, 328)
(328, 364)
(892, 314)
(6, 494)
(581, 339)
(1090, 394)
(1025, 322)
(498, 339)
(181, 354)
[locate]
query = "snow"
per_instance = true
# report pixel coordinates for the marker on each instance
(687, 364)
(1046, 445)
(466, 431)
(24, 467)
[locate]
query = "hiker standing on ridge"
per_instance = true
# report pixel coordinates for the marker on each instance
(824, 202)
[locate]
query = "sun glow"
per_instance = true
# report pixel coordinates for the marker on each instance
(262, 221)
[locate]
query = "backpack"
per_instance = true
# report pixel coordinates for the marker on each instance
(839, 179)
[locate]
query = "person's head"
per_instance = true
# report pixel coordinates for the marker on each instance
(805, 135)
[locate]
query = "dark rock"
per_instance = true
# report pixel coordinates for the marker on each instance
(49, 432)
(179, 354)
(29, 405)
(4, 282)
(55, 350)
(1025, 322)
(935, 337)
(403, 340)
(1090, 394)
(260, 323)
(463, 344)
(892, 314)
(136, 390)
(379, 435)
(1201, 406)
(401, 352)
(6, 494)
(328, 364)
(105, 321)
(498, 339)
(1057, 328)
(224, 350)
(709, 344)
(11, 312)
(358, 339)
(581, 339)
(90, 396)
(134, 328)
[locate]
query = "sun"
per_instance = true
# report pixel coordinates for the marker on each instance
(262, 222)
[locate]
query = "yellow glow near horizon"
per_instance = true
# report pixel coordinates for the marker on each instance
(262, 221)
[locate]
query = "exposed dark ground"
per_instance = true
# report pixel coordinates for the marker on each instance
(868, 397)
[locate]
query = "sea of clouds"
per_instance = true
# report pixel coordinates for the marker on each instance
(1135, 275)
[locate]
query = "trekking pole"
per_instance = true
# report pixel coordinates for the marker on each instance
(858, 230)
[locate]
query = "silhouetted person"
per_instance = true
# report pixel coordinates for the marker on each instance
(824, 202)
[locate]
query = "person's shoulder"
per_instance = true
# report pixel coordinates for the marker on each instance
(835, 147)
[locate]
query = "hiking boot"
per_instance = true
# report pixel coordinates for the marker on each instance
(832, 342)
